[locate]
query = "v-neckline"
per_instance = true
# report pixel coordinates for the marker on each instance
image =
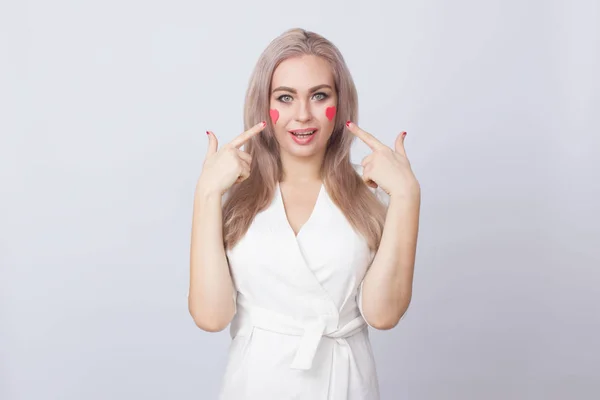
(310, 217)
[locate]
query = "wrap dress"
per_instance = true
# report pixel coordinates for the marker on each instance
(299, 331)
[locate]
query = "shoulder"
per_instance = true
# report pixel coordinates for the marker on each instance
(379, 192)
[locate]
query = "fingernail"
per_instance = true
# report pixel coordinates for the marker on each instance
(348, 123)
(404, 133)
(264, 123)
(207, 132)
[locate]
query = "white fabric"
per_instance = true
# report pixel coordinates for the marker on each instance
(298, 332)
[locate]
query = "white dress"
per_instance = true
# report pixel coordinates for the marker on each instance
(299, 331)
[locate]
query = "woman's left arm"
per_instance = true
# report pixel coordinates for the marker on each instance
(387, 286)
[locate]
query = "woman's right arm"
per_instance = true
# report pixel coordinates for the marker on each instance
(211, 302)
(211, 293)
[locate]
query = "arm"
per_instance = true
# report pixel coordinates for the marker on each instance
(211, 287)
(387, 286)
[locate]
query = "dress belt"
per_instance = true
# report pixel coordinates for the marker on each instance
(250, 316)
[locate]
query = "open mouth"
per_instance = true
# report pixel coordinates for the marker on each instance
(303, 133)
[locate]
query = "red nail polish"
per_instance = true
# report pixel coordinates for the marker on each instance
(207, 132)
(264, 123)
(348, 123)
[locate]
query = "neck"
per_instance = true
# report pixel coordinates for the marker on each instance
(301, 169)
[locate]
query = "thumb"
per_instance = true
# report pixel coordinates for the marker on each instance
(213, 143)
(399, 144)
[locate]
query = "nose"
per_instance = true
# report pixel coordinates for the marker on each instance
(303, 113)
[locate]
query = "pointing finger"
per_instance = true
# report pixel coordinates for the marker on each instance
(365, 136)
(245, 136)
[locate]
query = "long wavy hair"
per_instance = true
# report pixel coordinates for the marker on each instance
(365, 213)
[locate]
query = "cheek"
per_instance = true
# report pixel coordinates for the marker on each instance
(274, 115)
(330, 112)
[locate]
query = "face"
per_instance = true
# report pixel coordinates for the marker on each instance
(303, 98)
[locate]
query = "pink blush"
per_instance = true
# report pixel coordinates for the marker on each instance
(274, 115)
(330, 113)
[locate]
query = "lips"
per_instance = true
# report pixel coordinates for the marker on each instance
(302, 137)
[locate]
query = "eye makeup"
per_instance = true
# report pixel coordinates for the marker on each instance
(325, 96)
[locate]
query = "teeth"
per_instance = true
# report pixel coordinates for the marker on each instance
(304, 134)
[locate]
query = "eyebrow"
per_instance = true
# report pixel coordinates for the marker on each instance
(289, 89)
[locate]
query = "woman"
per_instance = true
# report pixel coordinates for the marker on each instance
(285, 230)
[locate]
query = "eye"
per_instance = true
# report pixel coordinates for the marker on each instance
(280, 98)
(322, 94)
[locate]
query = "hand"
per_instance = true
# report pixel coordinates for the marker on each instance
(387, 168)
(228, 165)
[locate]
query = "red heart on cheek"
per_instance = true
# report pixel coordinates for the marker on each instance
(274, 115)
(330, 112)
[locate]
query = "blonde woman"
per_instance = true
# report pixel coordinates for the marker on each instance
(296, 247)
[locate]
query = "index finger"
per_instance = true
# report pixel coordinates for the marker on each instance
(365, 136)
(238, 141)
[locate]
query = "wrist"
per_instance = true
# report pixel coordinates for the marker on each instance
(206, 191)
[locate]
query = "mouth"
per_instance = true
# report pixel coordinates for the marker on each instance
(303, 133)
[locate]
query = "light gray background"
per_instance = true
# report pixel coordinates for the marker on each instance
(103, 114)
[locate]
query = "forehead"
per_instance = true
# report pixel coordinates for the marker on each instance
(302, 73)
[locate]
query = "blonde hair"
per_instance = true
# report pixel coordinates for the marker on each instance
(365, 213)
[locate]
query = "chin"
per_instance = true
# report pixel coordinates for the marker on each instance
(303, 152)
(296, 150)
